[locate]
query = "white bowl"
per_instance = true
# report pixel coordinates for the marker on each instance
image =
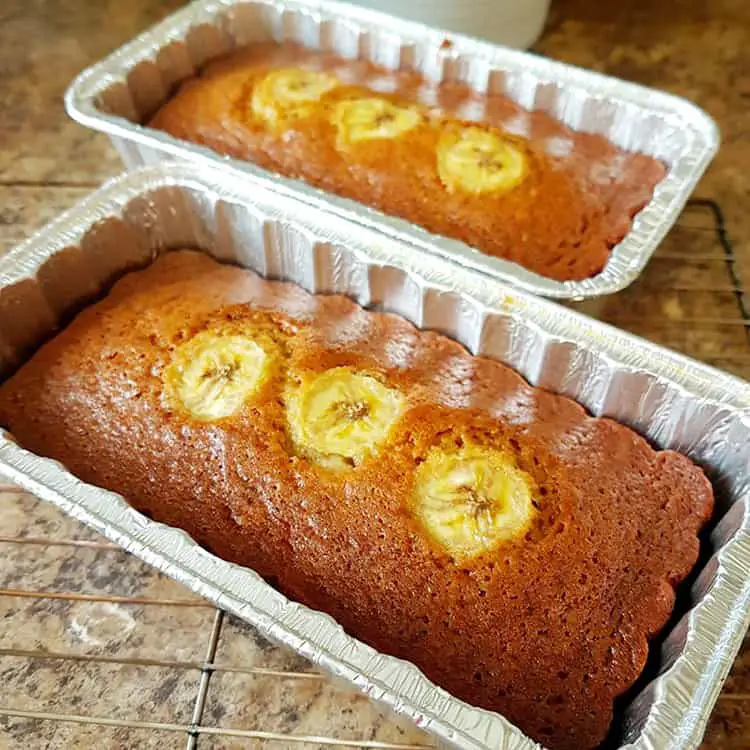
(515, 23)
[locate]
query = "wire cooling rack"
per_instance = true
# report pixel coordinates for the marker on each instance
(97, 650)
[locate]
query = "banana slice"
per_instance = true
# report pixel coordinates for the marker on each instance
(372, 119)
(477, 161)
(290, 93)
(471, 499)
(212, 375)
(341, 416)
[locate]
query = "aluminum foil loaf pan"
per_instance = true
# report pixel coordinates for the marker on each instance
(675, 402)
(123, 90)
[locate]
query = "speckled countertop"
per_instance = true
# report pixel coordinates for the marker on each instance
(107, 638)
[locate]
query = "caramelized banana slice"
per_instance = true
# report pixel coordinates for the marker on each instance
(372, 119)
(471, 499)
(289, 93)
(211, 375)
(473, 160)
(340, 417)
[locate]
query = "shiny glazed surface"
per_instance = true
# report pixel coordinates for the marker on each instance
(576, 202)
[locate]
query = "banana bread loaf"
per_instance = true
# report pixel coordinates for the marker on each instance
(520, 552)
(511, 183)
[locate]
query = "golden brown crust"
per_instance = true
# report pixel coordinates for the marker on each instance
(576, 203)
(547, 629)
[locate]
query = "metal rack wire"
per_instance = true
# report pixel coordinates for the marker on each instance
(215, 683)
(690, 298)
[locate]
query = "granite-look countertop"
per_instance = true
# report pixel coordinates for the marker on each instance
(110, 641)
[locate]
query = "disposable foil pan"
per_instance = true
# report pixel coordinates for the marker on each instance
(675, 402)
(123, 90)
